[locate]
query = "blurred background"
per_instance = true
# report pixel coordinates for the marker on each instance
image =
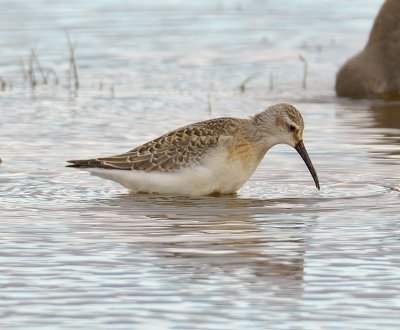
(138, 48)
(82, 79)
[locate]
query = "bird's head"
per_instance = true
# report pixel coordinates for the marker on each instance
(283, 124)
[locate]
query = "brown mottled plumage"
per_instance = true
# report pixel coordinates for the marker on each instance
(183, 147)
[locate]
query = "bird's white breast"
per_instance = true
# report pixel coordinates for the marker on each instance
(221, 172)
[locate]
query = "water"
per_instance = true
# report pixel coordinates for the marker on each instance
(81, 252)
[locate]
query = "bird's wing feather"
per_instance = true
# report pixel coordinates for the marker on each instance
(181, 148)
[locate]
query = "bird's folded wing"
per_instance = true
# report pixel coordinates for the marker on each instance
(181, 148)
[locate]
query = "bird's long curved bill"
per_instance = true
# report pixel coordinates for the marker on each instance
(301, 149)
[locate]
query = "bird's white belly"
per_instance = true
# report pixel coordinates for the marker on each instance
(217, 175)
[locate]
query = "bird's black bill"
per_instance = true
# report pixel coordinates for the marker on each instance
(301, 149)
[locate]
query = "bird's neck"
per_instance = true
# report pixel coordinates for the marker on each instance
(260, 137)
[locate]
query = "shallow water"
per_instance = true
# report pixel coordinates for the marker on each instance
(81, 252)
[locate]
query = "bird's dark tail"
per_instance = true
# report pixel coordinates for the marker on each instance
(84, 163)
(99, 163)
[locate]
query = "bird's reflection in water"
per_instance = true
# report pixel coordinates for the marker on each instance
(259, 240)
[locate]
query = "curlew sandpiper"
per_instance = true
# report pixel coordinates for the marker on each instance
(211, 157)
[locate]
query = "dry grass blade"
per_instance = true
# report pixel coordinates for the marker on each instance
(271, 81)
(243, 84)
(72, 61)
(2, 84)
(303, 59)
(39, 66)
(31, 73)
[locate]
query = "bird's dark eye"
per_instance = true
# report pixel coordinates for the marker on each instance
(292, 128)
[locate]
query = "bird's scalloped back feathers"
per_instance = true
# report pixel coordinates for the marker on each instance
(181, 148)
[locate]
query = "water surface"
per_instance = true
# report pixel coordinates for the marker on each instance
(81, 252)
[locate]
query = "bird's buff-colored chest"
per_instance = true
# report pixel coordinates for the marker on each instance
(233, 165)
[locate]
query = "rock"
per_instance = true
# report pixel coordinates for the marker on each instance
(375, 71)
